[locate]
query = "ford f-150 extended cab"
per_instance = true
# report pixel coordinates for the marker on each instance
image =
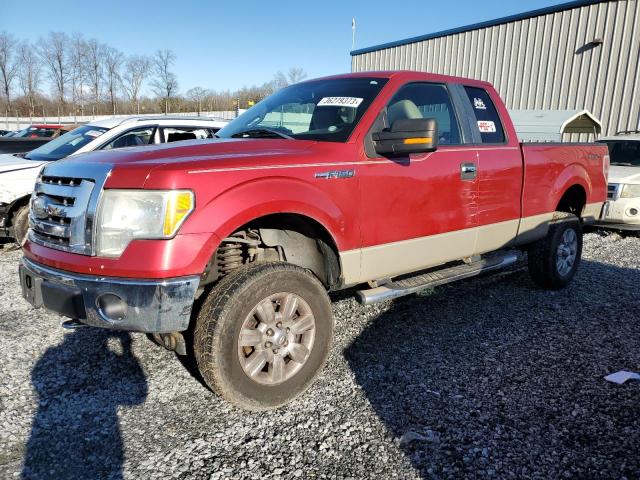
(388, 181)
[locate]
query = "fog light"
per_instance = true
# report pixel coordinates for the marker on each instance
(112, 306)
(632, 212)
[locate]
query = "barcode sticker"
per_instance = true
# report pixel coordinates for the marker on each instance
(340, 102)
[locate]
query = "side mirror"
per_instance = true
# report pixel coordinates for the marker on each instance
(409, 135)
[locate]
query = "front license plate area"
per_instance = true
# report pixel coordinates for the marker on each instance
(31, 287)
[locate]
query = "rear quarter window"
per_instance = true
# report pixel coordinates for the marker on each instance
(487, 118)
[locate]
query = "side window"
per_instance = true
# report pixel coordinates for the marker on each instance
(132, 138)
(427, 100)
(487, 118)
(176, 134)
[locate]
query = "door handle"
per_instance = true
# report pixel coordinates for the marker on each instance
(468, 171)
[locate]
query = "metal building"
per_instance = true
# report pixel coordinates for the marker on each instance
(573, 56)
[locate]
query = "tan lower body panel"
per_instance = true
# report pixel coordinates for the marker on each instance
(533, 228)
(398, 258)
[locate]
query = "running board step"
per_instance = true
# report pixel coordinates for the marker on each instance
(407, 286)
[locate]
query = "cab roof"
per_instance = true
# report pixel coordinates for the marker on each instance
(628, 135)
(112, 122)
(407, 75)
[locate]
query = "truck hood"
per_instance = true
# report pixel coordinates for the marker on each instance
(10, 163)
(619, 174)
(133, 167)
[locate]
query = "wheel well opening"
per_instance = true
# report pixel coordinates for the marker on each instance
(289, 237)
(15, 207)
(573, 201)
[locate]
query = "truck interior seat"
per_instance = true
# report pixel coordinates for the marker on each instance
(130, 140)
(402, 109)
(323, 118)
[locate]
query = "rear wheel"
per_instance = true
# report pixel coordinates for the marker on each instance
(553, 260)
(263, 334)
(20, 222)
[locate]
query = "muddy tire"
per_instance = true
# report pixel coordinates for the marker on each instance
(263, 335)
(20, 222)
(553, 260)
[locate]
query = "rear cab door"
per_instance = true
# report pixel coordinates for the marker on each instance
(500, 168)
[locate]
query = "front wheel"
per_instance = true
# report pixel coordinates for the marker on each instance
(554, 260)
(20, 222)
(263, 334)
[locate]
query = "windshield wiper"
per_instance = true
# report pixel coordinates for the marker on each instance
(261, 133)
(624, 164)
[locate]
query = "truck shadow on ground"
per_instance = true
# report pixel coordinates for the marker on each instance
(497, 378)
(80, 385)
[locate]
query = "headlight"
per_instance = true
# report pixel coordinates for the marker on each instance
(630, 191)
(126, 215)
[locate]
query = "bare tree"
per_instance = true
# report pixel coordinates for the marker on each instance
(279, 80)
(29, 74)
(95, 69)
(136, 69)
(8, 65)
(295, 75)
(197, 95)
(112, 63)
(165, 84)
(78, 75)
(54, 54)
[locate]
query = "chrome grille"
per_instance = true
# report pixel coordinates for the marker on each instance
(612, 191)
(63, 206)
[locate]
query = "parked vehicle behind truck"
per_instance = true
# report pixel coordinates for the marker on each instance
(31, 137)
(391, 182)
(622, 209)
(18, 173)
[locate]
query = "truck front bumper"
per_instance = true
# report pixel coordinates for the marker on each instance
(152, 306)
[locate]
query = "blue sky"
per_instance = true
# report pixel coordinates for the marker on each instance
(225, 45)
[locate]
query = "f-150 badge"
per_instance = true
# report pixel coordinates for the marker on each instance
(336, 174)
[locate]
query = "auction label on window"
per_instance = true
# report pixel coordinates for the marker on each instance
(340, 102)
(94, 133)
(485, 126)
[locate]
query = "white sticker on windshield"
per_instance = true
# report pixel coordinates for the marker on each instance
(340, 102)
(485, 126)
(479, 104)
(93, 133)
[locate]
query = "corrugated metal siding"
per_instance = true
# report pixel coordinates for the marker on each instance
(537, 62)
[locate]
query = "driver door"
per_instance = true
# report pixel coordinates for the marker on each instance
(418, 211)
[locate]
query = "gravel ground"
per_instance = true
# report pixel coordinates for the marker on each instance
(491, 377)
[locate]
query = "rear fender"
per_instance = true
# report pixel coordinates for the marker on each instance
(574, 174)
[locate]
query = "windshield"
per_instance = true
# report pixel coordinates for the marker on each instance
(624, 153)
(324, 110)
(66, 144)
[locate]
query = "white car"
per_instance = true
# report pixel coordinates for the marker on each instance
(18, 172)
(622, 209)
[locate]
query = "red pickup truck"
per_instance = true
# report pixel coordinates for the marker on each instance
(388, 181)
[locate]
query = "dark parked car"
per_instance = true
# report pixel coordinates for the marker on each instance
(31, 137)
